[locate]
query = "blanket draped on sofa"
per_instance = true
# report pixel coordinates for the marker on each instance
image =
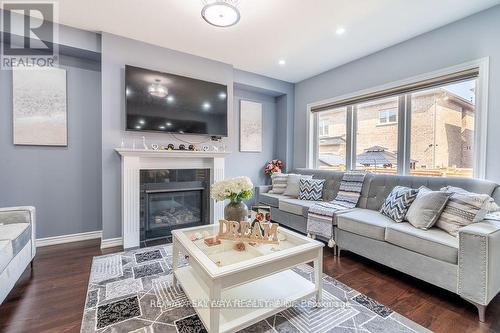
(321, 215)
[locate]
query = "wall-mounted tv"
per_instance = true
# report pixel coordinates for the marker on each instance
(168, 103)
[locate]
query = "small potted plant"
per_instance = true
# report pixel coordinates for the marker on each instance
(273, 167)
(235, 190)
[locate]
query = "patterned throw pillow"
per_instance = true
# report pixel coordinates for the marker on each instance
(397, 202)
(463, 208)
(279, 183)
(311, 189)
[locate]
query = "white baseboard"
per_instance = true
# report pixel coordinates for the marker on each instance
(40, 242)
(111, 242)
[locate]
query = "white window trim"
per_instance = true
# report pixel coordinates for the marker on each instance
(481, 120)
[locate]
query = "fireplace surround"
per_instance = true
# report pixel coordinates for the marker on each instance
(135, 160)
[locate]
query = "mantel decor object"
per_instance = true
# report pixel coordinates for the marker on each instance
(244, 231)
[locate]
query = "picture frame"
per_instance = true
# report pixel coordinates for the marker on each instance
(250, 126)
(39, 110)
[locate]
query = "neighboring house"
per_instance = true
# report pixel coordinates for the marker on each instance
(442, 133)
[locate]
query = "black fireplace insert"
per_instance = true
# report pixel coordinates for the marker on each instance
(173, 199)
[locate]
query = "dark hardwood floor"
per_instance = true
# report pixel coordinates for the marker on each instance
(51, 297)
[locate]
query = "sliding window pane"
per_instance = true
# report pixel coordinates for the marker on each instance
(377, 136)
(332, 139)
(442, 130)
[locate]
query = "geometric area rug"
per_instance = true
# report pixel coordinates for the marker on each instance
(132, 291)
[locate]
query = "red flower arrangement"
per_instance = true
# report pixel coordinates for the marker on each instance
(274, 166)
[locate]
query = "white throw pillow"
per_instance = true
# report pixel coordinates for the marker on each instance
(292, 187)
(463, 208)
(279, 183)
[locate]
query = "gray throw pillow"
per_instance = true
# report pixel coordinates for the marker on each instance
(292, 187)
(426, 208)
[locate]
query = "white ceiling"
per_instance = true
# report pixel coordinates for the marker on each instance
(300, 31)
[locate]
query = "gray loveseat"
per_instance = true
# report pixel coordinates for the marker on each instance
(17, 245)
(468, 265)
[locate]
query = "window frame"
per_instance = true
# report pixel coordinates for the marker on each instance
(404, 119)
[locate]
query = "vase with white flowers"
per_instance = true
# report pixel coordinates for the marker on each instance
(235, 190)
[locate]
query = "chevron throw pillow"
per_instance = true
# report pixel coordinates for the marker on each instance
(398, 202)
(311, 189)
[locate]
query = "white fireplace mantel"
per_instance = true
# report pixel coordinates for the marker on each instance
(135, 160)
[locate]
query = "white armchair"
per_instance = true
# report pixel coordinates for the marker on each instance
(17, 245)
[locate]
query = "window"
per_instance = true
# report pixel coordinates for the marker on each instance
(324, 127)
(332, 143)
(442, 130)
(389, 116)
(377, 146)
(426, 128)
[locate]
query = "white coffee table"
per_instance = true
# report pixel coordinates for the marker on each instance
(219, 279)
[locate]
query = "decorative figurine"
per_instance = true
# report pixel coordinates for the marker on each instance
(240, 247)
(170, 146)
(182, 147)
(205, 148)
(191, 147)
(154, 146)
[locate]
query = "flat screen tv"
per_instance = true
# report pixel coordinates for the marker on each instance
(168, 103)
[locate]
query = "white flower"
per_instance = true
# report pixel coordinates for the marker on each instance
(224, 189)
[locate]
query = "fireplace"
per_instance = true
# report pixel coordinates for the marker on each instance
(172, 199)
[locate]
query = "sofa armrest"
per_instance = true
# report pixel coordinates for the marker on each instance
(478, 258)
(261, 189)
(17, 215)
(25, 214)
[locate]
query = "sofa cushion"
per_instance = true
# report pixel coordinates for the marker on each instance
(434, 243)
(271, 199)
(364, 222)
(6, 254)
(18, 234)
(295, 206)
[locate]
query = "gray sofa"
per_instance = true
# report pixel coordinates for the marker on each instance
(17, 245)
(468, 265)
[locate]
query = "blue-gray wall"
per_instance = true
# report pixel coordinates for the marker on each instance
(116, 53)
(469, 39)
(63, 183)
(252, 164)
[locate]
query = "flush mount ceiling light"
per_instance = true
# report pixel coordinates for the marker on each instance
(157, 89)
(221, 13)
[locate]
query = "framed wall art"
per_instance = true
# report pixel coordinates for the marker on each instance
(250, 126)
(39, 107)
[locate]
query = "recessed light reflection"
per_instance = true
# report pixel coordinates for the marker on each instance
(138, 127)
(206, 106)
(168, 123)
(161, 127)
(170, 99)
(142, 121)
(222, 95)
